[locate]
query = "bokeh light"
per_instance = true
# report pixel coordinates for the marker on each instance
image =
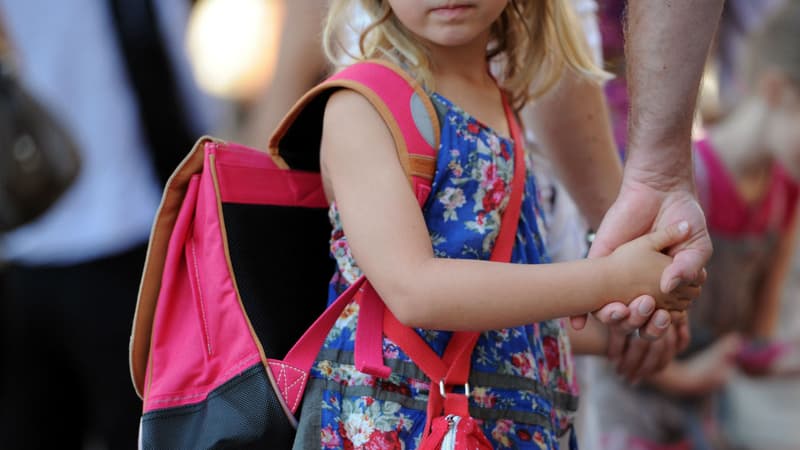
(233, 45)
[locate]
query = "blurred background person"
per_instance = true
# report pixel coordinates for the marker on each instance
(115, 74)
(740, 19)
(747, 171)
(299, 66)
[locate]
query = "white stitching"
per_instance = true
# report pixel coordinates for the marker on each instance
(172, 399)
(244, 361)
(200, 294)
(286, 385)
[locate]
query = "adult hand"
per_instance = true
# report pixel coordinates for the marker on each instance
(641, 358)
(643, 206)
(623, 320)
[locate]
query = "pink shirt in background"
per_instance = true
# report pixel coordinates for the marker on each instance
(726, 211)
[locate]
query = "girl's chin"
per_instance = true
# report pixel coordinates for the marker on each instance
(452, 39)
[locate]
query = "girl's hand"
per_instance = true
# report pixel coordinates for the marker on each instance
(644, 205)
(637, 266)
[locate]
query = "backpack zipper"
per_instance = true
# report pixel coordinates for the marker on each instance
(449, 441)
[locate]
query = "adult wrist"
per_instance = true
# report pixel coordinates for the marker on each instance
(664, 168)
(660, 181)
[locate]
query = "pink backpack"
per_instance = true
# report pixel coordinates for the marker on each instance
(238, 267)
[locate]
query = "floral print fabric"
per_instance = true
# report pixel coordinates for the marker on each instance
(522, 382)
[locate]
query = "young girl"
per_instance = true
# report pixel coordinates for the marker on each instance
(430, 266)
(748, 168)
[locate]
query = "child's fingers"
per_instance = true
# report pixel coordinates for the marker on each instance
(689, 291)
(669, 236)
(674, 303)
(679, 317)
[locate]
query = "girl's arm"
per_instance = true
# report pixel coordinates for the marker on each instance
(389, 239)
(769, 301)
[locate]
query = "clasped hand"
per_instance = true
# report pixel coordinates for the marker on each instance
(657, 314)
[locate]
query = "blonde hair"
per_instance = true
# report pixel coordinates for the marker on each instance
(534, 40)
(776, 44)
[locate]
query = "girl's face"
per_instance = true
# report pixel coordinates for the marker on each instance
(448, 23)
(784, 129)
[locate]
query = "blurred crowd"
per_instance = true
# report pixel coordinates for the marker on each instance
(134, 84)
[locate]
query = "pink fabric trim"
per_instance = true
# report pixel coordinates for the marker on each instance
(368, 351)
(184, 367)
(172, 265)
(291, 382)
(304, 352)
(249, 176)
(395, 91)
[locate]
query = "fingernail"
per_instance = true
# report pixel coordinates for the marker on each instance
(673, 283)
(683, 227)
(646, 308)
(616, 315)
(662, 321)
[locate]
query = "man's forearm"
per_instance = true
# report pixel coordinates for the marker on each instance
(667, 42)
(572, 127)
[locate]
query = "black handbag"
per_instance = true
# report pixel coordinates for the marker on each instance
(38, 158)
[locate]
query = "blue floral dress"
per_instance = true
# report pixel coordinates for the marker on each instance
(523, 389)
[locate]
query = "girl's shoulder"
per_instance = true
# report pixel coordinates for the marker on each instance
(353, 132)
(348, 114)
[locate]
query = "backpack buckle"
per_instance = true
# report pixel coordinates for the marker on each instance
(443, 393)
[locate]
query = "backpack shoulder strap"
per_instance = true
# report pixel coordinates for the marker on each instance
(411, 118)
(402, 103)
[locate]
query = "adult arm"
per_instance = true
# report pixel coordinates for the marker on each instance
(666, 48)
(573, 130)
(299, 66)
(586, 161)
